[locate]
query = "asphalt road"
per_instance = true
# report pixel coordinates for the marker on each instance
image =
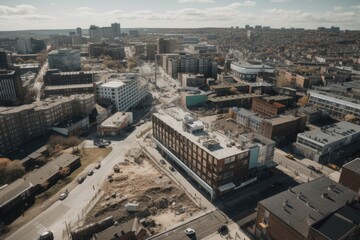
(294, 167)
(75, 206)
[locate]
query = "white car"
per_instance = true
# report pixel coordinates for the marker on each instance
(63, 196)
(189, 231)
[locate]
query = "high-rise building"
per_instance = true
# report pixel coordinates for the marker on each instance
(166, 45)
(79, 31)
(116, 29)
(65, 60)
(5, 61)
(11, 90)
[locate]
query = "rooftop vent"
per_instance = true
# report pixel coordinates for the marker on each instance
(324, 195)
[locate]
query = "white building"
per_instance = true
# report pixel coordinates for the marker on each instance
(338, 106)
(124, 90)
(115, 124)
(321, 143)
(247, 118)
(248, 72)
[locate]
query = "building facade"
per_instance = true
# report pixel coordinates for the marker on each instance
(11, 90)
(214, 164)
(115, 124)
(65, 60)
(124, 90)
(320, 143)
(336, 105)
(19, 125)
(249, 72)
(55, 77)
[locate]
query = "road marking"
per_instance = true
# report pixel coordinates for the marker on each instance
(41, 227)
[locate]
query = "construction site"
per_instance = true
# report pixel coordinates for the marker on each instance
(138, 188)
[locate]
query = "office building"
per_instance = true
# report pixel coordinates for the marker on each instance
(319, 144)
(240, 100)
(65, 60)
(11, 90)
(248, 72)
(30, 45)
(318, 210)
(54, 77)
(246, 118)
(19, 125)
(116, 30)
(79, 31)
(189, 80)
(5, 60)
(124, 90)
(207, 156)
(150, 51)
(350, 175)
(166, 45)
(115, 51)
(336, 105)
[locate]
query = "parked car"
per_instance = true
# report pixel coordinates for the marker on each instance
(189, 231)
(98, 165)
(290, 156)
(81, 179)
(172, 168)
(162, 161)
(63, 195)
(312, 168)
(223, 230)
(47, 235)
(90, 172)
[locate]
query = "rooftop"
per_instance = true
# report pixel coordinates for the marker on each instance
(233, 97)
(332, 133)
(72, 86)
(116, 120)
(353, 165)
(174, 117)
(280, 119)
(336, 98)
(308, 203)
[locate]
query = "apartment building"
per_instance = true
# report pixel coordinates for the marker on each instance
(124, 90)
(19, 125)
(240, 100)
(318, 210)
(11, 90)
(320, 143)
(246, 118)
(97, 33)
(207, 156)
(337, 106)
(65, 60)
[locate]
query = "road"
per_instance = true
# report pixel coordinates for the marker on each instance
(39, 80)
(294, 167)
(75, 206)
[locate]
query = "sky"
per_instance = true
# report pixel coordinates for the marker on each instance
(69, 14)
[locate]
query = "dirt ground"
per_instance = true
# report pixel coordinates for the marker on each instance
(161, 203)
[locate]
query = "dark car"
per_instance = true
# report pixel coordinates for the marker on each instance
(97, 166)
(312, 168)
(81, 179)
(223, 230)
(48, 235)
(172, 168)
(90, 172)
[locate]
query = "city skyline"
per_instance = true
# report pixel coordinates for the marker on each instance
(309, 14)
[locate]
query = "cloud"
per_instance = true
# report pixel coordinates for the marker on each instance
(356, 7)
(337, 8)
(196, 1)
(22, 9)
(248, 3)
(279, 1)
(83, 9)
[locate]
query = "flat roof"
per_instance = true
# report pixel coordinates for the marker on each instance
(233, 97)
(116, 120)
(353, 102)
(113, 84)
(280, 119)
(174, 116)
(353, 165)
(332, 133)
(72, 86)
(306, 204)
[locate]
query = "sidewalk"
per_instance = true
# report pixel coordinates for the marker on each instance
(235, 233)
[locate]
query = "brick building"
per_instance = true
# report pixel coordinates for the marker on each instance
(267, 108)
(206, 156)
